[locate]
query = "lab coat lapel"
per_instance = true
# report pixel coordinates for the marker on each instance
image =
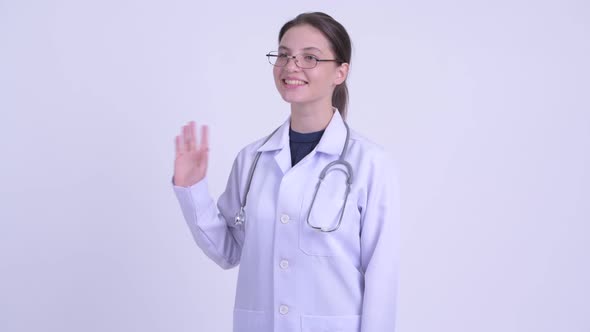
(279, 144)
(331, 143)
(283, 159)
(334, 136)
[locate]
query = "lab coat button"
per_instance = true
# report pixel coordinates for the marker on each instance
(284, 264)
(284, 218)
(283, 309)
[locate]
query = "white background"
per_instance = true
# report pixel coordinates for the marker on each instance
(485, 105)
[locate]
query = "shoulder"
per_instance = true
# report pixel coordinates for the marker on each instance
(375, 167)
(376, 170)
(253, 146)
(370, 152)
(248, 152)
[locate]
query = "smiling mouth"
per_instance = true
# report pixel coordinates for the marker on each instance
(294, 82)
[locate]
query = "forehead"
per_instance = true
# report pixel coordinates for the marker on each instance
(304, 38)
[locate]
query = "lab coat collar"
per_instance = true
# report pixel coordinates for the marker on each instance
(332, 140)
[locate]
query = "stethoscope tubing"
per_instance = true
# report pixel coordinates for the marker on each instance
(241, 215)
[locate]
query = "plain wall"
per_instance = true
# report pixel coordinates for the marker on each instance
(485, 105)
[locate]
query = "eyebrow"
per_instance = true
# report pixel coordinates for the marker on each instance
(305, 49)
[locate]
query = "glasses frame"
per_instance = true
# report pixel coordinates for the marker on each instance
(275, 54)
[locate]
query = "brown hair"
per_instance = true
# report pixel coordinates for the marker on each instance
(341, 46)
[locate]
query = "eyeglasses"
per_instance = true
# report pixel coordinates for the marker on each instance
(303, 61)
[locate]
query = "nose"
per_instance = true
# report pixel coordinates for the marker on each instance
(291, 65)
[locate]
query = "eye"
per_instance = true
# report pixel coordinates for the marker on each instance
(309, 57)
(282, 55)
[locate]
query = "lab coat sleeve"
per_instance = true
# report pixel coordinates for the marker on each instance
(211, 225)
(380, 248)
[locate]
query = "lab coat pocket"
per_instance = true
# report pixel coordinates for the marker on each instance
(249, 321)
(338, 214)
(350, 323)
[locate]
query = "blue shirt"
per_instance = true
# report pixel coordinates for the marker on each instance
(302, 144)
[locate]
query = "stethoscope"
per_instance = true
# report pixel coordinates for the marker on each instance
(241, 215)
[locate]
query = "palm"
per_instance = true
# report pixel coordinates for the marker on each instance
(190, 164)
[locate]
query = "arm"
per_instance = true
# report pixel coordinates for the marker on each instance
(380, 249)
(211, 225)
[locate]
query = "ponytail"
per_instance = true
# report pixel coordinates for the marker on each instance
(340, 99)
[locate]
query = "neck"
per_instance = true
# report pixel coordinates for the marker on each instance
(311, 118)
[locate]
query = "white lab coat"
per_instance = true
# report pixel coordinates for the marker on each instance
(292, 277)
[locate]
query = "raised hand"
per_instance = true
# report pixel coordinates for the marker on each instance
(190, 164)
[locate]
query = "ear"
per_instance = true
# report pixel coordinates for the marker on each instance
(341, 73)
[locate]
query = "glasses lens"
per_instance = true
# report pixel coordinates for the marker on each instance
(302, 60)
(306, 61)
(281, 60)
(274, 59)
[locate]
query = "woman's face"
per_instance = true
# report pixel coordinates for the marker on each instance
(308, 86)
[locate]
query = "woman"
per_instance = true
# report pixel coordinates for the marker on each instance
(313, 257)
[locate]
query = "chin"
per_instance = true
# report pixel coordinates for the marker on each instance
(293, 99)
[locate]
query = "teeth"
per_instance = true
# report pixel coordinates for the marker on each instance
(294, 82)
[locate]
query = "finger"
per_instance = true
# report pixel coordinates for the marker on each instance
(179, 145)
(204, 138)
(186, 137)
(193, 137)
(203, 155)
